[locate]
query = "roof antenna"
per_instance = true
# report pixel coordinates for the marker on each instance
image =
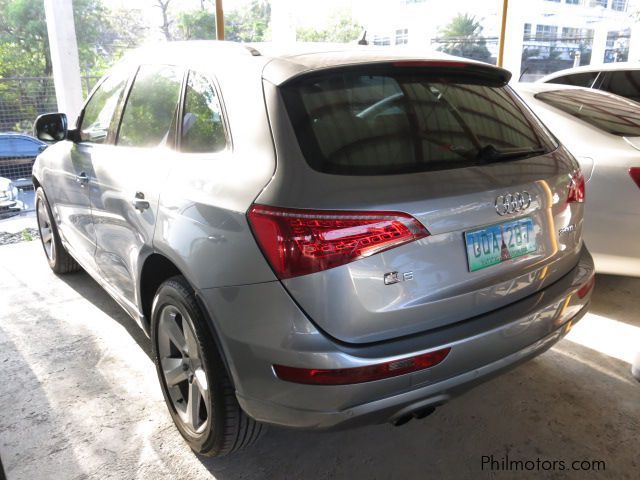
(363, 39)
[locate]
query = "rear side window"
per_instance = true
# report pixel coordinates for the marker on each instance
(99, 110)
(151, 108)
(585, 79)
(361, 123)
(624, 83)
(609, 113)
(202, 126)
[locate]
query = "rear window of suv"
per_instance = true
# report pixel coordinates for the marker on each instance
(396, 120)
(610, 113)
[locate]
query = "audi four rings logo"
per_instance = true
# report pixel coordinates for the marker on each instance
(513, 202)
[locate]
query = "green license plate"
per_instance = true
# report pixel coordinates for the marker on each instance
(500, 242)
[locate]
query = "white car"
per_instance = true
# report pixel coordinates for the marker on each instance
(602, 130)
(621, 78)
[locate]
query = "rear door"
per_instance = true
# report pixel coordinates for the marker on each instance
(452, 147)
(128, 176)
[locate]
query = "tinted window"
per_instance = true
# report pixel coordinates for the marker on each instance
(202, 128)
(625, 83)
(99, 110)
(354, 123)
(609, 113)
(577, 79)
(151, 107)
(15, 146)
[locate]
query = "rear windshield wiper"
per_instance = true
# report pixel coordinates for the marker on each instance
(489, 153)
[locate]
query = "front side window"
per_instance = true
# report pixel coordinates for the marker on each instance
(386, 123)
(202, 125)
(609, 113)
(99, 110)
(151, 107)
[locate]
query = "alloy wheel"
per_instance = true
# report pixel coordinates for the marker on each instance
(46, 231)
(182, 368)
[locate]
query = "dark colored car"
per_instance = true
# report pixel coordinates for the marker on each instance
(17, 154)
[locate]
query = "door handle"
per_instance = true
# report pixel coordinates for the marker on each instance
(82, 179)
(139, 203)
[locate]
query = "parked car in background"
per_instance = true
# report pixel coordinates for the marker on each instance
(602, 130)
(622, 78)
(17, 154)
(8, 198)
(316, 239)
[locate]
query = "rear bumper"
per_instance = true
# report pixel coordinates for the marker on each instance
(259, 325)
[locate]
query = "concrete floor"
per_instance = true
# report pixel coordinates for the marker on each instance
(79, 399)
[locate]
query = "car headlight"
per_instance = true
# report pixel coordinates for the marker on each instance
(7, 190)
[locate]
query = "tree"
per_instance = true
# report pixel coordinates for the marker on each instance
(463, 37)
(197, 25)
(250, 24)
(24, 52)
(342, 30)
(165, 28)
(24, 44)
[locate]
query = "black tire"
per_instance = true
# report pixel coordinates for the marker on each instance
(57, 255)
(227, 428)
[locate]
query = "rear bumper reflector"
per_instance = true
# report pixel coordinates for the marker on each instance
(370, 373)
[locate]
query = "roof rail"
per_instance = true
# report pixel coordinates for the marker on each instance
(252, 50)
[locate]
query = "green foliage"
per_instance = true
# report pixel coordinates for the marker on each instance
(202, 129)
(24, 45)
(250, 24)
(26, 235)
(463, 38)
(342, 30)
(197, 25)
(151, 107)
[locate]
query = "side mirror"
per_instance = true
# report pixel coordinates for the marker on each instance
(51, 127)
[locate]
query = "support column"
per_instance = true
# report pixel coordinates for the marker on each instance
(514, 32)
(599, 44)
(634, 43)
(63, 47)
(282, 30)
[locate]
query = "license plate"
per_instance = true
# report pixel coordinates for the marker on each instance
(500, 242)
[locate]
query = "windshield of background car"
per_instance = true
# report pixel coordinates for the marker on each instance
(369, 121)
(610, 113)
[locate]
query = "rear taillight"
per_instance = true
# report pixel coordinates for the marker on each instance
(298, 242)
(576, 187)
(370, 373)
(634, 172)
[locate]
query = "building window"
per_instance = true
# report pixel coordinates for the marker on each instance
(527, 31)
(619, 5)
(380, 40)
(402, 36)
(573, 2)
(598, 3)
(557, 1)
(546, 32)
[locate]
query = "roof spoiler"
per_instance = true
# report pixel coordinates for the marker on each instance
(469, 71)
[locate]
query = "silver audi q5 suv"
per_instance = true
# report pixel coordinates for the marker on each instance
(316, 238)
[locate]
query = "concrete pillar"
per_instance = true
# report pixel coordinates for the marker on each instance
(513, 39)
(64, 56)
(599, 44)
(282, 30)
(634, 43)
